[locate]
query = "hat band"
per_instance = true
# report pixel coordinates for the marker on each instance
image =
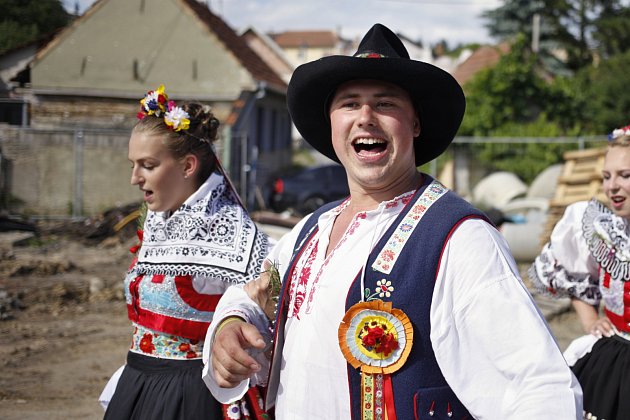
(370, 55)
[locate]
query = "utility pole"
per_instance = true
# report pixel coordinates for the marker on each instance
(536, 33)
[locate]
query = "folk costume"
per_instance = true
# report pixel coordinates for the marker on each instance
(588, 258)
(458, 321)
(418, 311)
(184, 263)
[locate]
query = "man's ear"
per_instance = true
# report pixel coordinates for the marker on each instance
(191, 162)
(416, 127)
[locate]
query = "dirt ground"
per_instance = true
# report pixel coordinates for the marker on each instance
(63, 324)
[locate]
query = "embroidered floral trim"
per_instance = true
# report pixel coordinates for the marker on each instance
(550, 278)
(154, 343)
(390, 252)
(372, 396)
(383, 289)
(608, 240)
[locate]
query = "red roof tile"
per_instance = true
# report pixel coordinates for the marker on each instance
(484, 57)
(312, 39)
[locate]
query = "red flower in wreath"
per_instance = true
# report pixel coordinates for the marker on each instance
(146, 343)
(378, 339)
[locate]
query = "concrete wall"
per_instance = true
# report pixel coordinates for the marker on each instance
(64, 173)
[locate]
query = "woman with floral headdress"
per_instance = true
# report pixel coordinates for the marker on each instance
(588, 259)
(196, 240)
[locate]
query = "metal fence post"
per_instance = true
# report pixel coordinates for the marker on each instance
(77, 190)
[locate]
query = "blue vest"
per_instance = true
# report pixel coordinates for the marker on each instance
(419, 386)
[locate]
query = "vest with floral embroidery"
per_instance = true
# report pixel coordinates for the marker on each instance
(419, 386)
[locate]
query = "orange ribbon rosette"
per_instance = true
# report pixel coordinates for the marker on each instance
(377, 339)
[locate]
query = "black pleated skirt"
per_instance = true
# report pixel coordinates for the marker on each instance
(604, 375)
(162, 389)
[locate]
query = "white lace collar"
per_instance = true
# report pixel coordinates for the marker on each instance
(211, 234)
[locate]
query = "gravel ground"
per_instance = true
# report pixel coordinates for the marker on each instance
(64, 329)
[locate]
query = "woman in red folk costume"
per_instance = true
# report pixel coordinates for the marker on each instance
(196, 241)
(588, 259)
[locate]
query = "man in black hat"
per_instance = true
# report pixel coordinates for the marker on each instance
(402, 300)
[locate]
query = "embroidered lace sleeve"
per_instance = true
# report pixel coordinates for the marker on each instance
(565, 266)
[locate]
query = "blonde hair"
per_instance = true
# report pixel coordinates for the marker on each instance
(620, 141)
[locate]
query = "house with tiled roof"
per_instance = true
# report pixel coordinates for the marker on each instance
(304, 46)
(269, 51)
(93, 73)
(484, 57)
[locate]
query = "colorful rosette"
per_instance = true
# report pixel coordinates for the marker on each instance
(154, 103)
(375, 338)
(176, 118)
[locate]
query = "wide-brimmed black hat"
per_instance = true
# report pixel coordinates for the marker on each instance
(436, 95)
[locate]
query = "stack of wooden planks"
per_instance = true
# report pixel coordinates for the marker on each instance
(580, 180)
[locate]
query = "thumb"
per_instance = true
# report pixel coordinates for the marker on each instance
(252, 336)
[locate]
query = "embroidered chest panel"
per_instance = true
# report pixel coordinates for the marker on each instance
(159, 294)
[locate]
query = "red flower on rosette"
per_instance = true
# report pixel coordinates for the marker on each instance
(184, 347)
(146, 343)
(373, 336)
(191, 355)
(387, 344)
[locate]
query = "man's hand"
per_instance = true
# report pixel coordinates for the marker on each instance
(230, 361)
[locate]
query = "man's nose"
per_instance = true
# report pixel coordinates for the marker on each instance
(366, 114)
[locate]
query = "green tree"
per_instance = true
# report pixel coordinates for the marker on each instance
(605, 86)
(23, 21)
(578, 27)
(517, 90)
(517, 99)
(611, 33)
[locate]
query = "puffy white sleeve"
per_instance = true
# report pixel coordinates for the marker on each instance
(236, 302)
(565, 266)
(490, 340)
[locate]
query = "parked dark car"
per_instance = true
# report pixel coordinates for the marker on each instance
(307, 190)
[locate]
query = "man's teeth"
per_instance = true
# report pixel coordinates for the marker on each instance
(369, 141)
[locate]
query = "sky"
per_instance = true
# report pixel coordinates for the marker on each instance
(429, 21)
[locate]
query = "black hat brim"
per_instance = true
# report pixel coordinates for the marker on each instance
(437, 96)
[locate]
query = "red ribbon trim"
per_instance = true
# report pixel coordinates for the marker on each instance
(388, 395)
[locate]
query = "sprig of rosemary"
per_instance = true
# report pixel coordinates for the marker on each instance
(275, 283)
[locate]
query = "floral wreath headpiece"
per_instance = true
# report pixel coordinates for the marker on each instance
(156, 103)
(618, 132)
